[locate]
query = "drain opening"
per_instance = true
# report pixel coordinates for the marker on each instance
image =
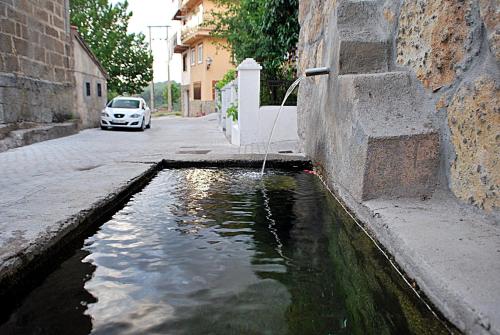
(193, 152)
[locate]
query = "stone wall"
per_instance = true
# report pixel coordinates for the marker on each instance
(87, 69)
(36, 81)
(200, 108)
(412, 102)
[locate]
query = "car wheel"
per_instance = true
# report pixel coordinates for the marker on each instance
(149, 124)
(143, 124)
(104, 128)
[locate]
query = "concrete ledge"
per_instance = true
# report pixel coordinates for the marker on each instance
(29, 99)
(42, 132)
(18, 268)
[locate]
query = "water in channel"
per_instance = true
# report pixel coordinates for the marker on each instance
(220, 251)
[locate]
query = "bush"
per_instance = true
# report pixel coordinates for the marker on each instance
(228, 77)
(232, 112)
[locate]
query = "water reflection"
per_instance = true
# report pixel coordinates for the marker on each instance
(58, 305)
(210, 251)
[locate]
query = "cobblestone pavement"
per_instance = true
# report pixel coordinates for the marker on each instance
(44, 184)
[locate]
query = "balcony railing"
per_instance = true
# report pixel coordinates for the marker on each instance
(188, 4)
(177, 46)
(190, 34)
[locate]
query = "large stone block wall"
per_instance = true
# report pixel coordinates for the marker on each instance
(36, 80)
(449, 109)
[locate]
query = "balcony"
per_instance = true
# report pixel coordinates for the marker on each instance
(187, 5)
(190, 35)
(177, 45)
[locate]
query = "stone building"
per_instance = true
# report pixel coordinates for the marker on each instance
(412, 102)
(44, 71)
(36, 60)
(90, 92)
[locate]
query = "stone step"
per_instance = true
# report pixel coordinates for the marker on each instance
(394, 145)
(6, 129)
(387, 104)
(356, 56)
(363, 45)
(352, 14)
(41, 132)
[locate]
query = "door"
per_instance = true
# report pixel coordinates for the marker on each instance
(186, 103)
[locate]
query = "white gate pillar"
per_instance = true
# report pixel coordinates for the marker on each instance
(248, 100)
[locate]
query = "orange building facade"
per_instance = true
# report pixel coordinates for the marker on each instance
(204, 58)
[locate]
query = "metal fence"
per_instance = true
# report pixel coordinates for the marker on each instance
(272, 92)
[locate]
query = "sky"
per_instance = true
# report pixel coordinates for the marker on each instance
(156, 13)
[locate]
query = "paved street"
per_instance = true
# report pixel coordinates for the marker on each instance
(45, 184)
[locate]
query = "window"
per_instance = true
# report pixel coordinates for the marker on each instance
(197, 91)
(99, 90)
(193, 55)
(87, 89)
(124, 103)
(184, 62)
(200, 53)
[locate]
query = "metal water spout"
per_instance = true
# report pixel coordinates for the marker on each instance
(317, 71)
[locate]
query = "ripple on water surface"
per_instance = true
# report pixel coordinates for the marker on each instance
(220, 251)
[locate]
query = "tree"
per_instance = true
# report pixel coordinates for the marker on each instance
(159, 98)
(176, 95)
(125, 56)
(266, 30)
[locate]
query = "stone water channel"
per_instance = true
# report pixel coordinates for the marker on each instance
(220, 251)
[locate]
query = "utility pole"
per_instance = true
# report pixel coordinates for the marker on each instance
(152, 91)
(169, 86)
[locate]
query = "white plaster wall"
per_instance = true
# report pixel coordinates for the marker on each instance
(255, 123)
(286, 127)
(186, 75)
(235, 134)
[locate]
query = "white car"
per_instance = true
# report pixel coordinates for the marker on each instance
(126, 112)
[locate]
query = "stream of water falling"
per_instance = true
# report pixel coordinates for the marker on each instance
(290, 90)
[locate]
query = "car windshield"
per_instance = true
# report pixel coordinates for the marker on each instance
(123, 103)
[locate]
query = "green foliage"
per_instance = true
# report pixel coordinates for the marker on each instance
(266, 30)
(226, 79)
(176, 95)
(112, 95)
(232, 112)
(161, 98)
(125, 56)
